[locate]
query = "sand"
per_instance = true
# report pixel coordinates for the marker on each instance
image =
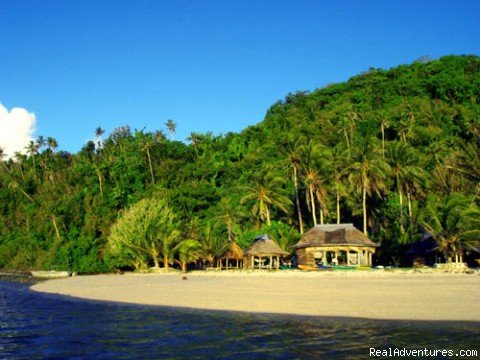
(360, 294)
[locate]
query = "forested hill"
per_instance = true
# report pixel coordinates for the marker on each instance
(395, 151)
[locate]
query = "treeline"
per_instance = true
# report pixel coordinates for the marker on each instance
(395, 151)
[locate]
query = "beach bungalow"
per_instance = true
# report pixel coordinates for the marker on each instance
(264, 253)
(339, 244)
(232, 258)
(424, 252)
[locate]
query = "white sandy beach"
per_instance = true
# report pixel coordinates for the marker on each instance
(364, 294)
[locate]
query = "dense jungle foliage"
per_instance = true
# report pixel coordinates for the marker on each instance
(395, 151)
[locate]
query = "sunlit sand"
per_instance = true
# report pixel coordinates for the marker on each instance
(364, 294)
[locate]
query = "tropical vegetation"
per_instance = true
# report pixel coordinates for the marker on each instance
(394, 151)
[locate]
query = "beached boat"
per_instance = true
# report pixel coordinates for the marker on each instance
(51, 274)
(343, 267)
(314, 268)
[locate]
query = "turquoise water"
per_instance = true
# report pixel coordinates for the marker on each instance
(39, 326)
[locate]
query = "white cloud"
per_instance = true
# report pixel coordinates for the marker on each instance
(16, 129)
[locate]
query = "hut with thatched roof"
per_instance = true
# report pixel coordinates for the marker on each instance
(339, 244)
(232, 258)
(264, 253)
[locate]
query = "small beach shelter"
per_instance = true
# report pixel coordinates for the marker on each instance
(264, 253)
(232, 258)
(338, 244)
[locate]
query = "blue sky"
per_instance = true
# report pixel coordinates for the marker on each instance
(210, 65)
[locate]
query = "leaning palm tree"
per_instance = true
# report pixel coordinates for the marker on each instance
(455, 224)
(367, 172)
(266, 192)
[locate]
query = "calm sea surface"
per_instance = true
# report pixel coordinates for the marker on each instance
(39, 326)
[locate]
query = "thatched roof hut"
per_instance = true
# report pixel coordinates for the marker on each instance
(335, 243)
(233, 255)
(424, 251)
(264, 253)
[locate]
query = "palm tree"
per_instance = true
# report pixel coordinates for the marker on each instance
(187, 251)
(265, 192)
(40, 142)
(455, 224)
(210, 244)
(314, 182)
(291, 150)
(407, 175)
(32, 150)
(366, 172)
(230, 214)
(171, 127)
(147, 145)
(98, 134)
(52, 144)
(335, 161)
(383, 124)
(468, 164)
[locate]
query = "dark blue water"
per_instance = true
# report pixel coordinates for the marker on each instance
(39, 326)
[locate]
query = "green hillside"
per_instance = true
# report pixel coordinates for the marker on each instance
(394, 151)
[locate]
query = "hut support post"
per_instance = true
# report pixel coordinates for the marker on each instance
(270, 263)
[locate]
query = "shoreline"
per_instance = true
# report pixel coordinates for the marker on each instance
(362, 294)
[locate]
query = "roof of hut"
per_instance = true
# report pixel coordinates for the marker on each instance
(426, 245)
(263, 245)
(335, 234)
(233, 251)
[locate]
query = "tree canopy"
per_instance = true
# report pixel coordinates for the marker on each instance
(381, 150)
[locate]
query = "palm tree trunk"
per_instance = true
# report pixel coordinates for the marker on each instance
(400, 195)
(410, 211)
(56, 227)
(382, 126)
(100, 184)
(312, 203)
(338, 206)
(150, 165)
(364, 205)
(165, 262)
(346, 138)
(297, 199)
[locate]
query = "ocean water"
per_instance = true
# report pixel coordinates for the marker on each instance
(40, 326)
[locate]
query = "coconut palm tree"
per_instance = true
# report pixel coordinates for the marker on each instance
(171, 127)
(454, 222)
(406, 173)
(52, 144)
(147, 145)
(335, 161)
(98, 134)
(313, 180)
(291, 151)
(187, 251)
(266, 192)
(367, 172)
(32, 150)
(230, 214)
